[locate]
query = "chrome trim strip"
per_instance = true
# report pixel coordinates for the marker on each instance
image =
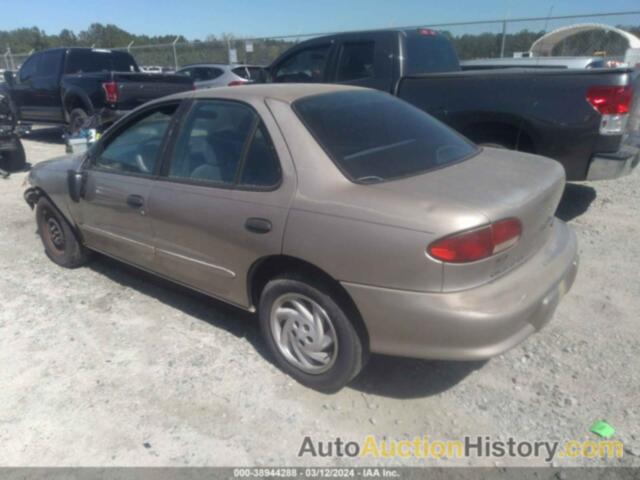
(105, 233)
(250, 308)
(226, 271)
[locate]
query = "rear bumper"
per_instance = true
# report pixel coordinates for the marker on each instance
(473, 324)
(614, 165)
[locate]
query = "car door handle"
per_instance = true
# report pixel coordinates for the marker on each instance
(135, 201)
(258, 225)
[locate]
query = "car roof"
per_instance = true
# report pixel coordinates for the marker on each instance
(286, 92)
(220, 65)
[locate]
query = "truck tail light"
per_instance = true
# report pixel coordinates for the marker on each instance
(111, 92)
(473, 245)
(613, 103)
(427, 32)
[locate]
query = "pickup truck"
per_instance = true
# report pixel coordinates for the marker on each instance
(68, 85)
(587, 119)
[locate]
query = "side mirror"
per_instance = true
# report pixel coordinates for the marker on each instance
(10, 78)
(76, 181)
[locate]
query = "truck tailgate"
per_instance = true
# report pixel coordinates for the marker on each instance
(134, 89)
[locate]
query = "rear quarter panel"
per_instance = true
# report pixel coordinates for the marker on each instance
(354, 233)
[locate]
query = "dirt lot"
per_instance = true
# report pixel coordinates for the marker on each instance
(108, 366)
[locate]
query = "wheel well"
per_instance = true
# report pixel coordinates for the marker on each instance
(34, 194)
(504, 134)
(74, 101)
(271, 267)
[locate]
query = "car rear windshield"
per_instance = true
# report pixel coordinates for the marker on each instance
(429, 53)
(90, 61)
(374, 137)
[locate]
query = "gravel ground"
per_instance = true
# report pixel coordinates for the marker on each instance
(108, 366)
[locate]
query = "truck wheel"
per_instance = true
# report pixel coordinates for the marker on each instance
(77, 119)
(14, 160)
(309, 334)
(60, 242)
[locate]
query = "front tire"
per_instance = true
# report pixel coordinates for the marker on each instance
(309, 333)
(60, 242)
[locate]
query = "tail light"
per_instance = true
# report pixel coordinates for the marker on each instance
(111, 92)
(235, 83)
(613, 103)
(427, 32)
(473, 245)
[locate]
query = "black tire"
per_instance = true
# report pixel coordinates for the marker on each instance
(351, 353)
(60, 241)
(13, 160)
(77, 118)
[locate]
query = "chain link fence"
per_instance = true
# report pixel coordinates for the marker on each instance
(472, 40)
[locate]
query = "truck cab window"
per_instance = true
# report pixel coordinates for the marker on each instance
(49, 64)
(29, 67)
(356, 61)
(305, 66)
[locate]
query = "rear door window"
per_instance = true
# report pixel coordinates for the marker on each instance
(374, 137)
(202, 74)
(211, 143)
(261, 166)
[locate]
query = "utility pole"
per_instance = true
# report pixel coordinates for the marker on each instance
(504, 38)
(175, 53)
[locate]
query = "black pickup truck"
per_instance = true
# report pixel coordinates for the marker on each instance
(588, 120)
(68, 85)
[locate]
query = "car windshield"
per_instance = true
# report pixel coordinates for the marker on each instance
(374, 137)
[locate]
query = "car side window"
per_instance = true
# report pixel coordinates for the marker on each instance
(305, 66)
(211, 143)
(187, 71)
(211, 73)
(261, 166)
(136, 149)
(28, 69)
(356, 61)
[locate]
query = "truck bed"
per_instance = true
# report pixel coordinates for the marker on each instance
(543, 106)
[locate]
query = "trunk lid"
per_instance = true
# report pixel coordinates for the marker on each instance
(496, 184)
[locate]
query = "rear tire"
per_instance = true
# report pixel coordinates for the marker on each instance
(77, 118)
(308, 332)
(60, 241)
(14, 160)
